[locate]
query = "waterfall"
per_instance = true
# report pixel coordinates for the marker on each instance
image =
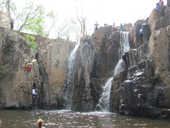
(103, 104)
(69, 87)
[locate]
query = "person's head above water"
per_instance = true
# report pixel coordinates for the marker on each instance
(39, 123)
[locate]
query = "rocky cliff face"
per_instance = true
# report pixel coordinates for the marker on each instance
(15, 85)
(96, 59)
(49, 64)
(52, 59)
(143, 88)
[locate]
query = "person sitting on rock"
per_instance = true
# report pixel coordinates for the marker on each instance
(96, 26)
(161, 2)
(121, 27)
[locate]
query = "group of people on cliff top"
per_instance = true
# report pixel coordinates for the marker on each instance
(113, 27)
(160, 3)
(28, 66)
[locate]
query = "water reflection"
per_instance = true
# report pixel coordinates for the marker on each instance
(69, 119)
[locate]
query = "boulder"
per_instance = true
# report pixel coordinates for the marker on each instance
(138, 39)
(168, 3)
(167, 14)
(143, 52)
(146, 32)
(16, 84)
(162, 22)
(52, 58)
(155, 14)
(96, 60)
(160, 40)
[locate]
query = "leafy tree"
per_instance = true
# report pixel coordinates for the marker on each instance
(35, 25)
(30, 42)
(29, 18)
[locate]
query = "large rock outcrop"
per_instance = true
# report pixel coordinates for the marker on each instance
(49, 64)
(15, 85)
(96, 60)
(143, 89)
(52, 59)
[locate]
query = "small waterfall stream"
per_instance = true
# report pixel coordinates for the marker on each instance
(103, 104)
(69, 88)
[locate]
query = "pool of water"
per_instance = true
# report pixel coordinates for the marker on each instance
(69, 119)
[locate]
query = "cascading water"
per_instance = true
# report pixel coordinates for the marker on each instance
(69, 88)
(103, 104)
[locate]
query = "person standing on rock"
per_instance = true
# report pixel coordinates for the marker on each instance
(96, 26)
(113, 27)
(29, 66)
(12, 24)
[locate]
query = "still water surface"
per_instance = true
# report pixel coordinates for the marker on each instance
(69, 119)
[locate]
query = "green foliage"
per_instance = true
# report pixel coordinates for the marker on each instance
(57, 62)
(36, 24)
(4, 69)
(30, 42)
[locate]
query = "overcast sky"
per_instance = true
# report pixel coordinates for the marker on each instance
(103, 11)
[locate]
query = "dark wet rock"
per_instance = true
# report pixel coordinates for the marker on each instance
(161, 23)
(168, 3)
(95, 63)
(167, 13)
(146, 32)
(143, 52)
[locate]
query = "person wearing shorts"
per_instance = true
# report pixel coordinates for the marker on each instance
(26, 66)
(29, 66)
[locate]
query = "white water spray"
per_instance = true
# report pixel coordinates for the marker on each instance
(103, 104)
(69, 88)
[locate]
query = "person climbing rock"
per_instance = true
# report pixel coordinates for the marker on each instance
(121, 27)
(96, 26)
(33, 95)
(12, 24)
(29, 66)
(26, 66)
(40, 123)
(35, 82)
